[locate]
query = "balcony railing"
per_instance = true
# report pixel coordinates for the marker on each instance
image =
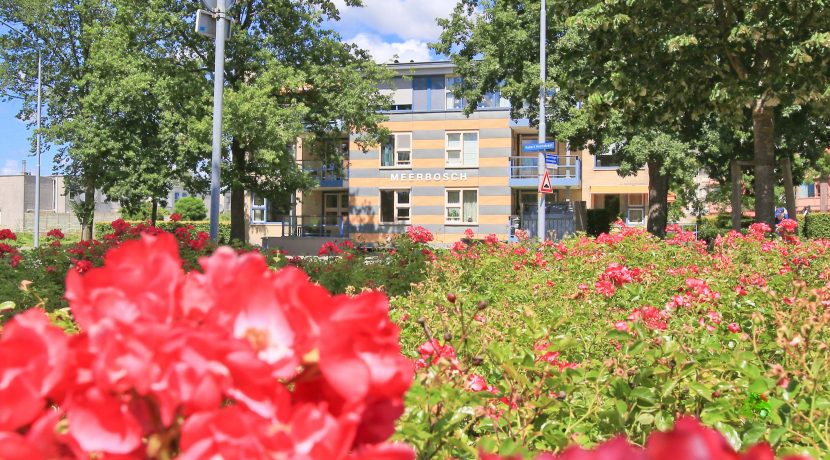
(328, 175)
(524, 171)
(328, 226)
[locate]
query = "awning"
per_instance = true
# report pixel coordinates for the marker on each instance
(626, 190)
(618, 189)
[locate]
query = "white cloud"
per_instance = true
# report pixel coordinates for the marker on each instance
(383, 51)
(407, 19)
(9, 168)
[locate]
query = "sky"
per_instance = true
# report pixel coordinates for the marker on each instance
(387, 28)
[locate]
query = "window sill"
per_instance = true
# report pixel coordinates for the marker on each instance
(606, 168)
(395, 167)
(446, 166)
(462, 224)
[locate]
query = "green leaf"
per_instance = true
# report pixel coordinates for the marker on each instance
(730, 433)
(645, 397)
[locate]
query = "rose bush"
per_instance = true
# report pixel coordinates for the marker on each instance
(518, 349)
(543, 346)
(233, 361)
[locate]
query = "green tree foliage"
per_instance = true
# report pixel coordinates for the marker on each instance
(666, 62)
(129, 104)
(191, 208)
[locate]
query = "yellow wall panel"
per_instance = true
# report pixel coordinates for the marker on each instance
(495, 142)
(503, 200)
(427, 201)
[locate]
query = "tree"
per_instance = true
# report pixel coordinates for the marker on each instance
(105, 94)
(497, 49)
(286, 75)
(191, 208)
(724, 57)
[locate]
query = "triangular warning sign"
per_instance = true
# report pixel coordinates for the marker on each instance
(545, 186)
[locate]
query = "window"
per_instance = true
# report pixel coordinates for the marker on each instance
(810, 190)
(265, 211)
(636, 216)
(462, 149)
(462, 206)
(453, 102)
(607, 157)
(636, 200)
(491, 100)
(394, 206)
(397, 151)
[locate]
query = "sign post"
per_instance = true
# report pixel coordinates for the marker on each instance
(542, 169)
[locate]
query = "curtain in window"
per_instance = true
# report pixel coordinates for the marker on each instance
(387, 206)
(470, 206)
(388, 152)
(470, 148)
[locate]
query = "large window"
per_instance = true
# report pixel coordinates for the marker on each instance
(462, 149)
(490, 100)
(394, 206)
(397, 151)
(264, 211)
(461, 206)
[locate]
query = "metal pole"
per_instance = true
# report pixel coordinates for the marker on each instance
(218, 89)
(540, 224)
(37, 152)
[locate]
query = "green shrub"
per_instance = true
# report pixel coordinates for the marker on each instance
(102, 228)
(816, 225)
(599, 221)
(191, 208)
(143, 214)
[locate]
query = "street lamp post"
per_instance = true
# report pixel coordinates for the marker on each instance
(219, 12)
(37, 134)
(37, 149)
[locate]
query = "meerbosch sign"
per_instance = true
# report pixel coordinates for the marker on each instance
(437, 177)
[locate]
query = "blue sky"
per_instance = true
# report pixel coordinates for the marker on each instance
(384, 27)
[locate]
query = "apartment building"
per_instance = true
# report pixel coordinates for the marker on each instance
(443, 170)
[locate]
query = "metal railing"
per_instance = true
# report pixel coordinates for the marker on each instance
(325, 226)
(325, 172)
(525, 167)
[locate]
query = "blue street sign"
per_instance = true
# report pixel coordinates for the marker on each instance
(538, 147)
(551, 159)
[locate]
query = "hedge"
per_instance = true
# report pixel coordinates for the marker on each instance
(102, 228)
(815, 225)
(599, 221)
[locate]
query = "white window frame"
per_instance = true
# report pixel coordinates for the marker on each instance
(396, 206)
(628, 215)
(450, 81)
(459, 206)
(259, 207)
(462, 165)
(632, 204)
(396, 151)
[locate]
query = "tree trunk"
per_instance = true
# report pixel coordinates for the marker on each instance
(823, 189)
(735, 199)
(763, 130)
(658, 199)
(789, 188)
(87, 216)
(154, 212)
(238, 216)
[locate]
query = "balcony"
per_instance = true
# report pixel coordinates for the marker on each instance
(327, 175)
(524, 171)
(330, 226)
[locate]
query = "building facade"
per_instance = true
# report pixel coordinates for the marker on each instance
(442, 170)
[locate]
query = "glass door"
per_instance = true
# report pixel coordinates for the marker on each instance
(335, 212)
